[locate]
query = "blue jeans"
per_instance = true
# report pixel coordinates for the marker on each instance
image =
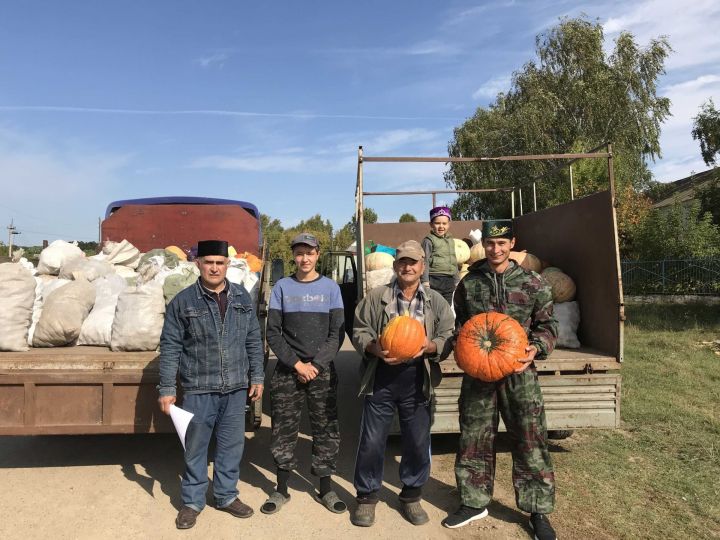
(225, 413)
(396, 388)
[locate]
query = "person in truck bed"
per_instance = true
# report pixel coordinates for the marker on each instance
(211, 336)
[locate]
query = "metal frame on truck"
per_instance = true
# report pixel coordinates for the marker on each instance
(581, 386)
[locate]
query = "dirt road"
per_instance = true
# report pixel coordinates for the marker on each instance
(128, 487)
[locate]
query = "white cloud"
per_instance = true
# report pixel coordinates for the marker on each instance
(56, 190)
(216, 59)
(491, 87)
(690, 28)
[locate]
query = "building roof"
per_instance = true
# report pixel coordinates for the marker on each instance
(683, 190)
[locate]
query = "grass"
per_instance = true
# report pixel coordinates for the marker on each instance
(658, 476)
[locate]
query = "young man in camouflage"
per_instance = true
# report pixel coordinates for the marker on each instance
(305, 330)
(499, 284)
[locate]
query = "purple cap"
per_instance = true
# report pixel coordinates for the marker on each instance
(440, 211)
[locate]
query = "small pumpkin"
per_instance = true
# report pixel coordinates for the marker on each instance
(403, 337)
(489, 346)
(177, 251)
(563, 287)
(378, 260)
(462, 251)
(477, 252)
(254, 262)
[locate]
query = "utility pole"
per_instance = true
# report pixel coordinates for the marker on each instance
(12, 231)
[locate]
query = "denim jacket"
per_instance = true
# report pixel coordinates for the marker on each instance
(211, 355)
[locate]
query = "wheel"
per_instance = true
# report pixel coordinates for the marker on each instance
(559, 434)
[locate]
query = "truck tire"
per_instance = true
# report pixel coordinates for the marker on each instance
(559, 434)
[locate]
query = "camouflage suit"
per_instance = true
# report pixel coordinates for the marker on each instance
(526, 297)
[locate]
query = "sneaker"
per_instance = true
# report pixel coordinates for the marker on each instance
(463, 516)
(541, 527)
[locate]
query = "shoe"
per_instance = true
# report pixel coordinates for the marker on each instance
(364, 515)
(463, 516)
(186, 518)
(414, 513)
(541, 527)
(238, 509)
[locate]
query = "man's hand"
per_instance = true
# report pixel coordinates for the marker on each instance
(429, 347)
(531, 351)
(375, 348)
(165, 402)
(306, 371)
(255, 392)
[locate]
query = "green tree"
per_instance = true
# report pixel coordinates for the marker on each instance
(709, 196)
(573, 97)
(706, 129)
(407, 218)
(369, 216)
(677, 233)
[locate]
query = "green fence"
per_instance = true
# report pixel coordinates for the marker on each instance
(681, 276)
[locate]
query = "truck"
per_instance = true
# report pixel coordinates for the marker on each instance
(581, 387)
(89, 390)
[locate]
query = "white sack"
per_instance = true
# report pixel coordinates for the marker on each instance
(476, 236)
(97, 328)
(382, 276)
(138, 319)
(84, 268)
(17, 294)
(63, 313)
(121, 253)
(44, 286)
(239, 273)
(568, 316)
(127, 273)
(55, 255)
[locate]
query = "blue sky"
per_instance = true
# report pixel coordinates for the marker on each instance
(267, 102)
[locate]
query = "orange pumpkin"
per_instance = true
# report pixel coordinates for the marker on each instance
(254, 262)
(489, 346)
(403, 337)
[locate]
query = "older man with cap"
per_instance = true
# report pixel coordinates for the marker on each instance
(305, 331)
(402, 384)
(499, 284)
(211, 337)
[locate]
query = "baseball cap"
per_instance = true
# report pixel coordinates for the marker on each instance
(305, 238)
(410, 249)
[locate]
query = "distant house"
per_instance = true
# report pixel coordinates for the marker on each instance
(684, 191)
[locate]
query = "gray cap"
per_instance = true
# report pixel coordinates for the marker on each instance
(305, 238)
(410, 249)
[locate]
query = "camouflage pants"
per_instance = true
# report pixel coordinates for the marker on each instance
(287, 395)
(518, 399)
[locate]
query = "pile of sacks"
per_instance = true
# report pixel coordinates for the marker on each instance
(116, 298)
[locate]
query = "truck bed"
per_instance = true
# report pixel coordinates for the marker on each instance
(79, 390)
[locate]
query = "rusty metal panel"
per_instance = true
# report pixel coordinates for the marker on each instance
(182, 225)
(136, 405)
(64, 404)
(12, 397)
(394, 234)
(580, 237)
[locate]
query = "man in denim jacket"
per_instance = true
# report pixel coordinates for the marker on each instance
(212, 336)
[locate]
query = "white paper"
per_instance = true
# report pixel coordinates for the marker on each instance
(180, 418)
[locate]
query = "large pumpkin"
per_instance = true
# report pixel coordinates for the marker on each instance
(563, 287)
(527, 260)
(489, 346)
(462, 251)
(378, 260)
(403, 337)
(477, 252)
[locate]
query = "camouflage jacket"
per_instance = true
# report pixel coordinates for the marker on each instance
(520, 293)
